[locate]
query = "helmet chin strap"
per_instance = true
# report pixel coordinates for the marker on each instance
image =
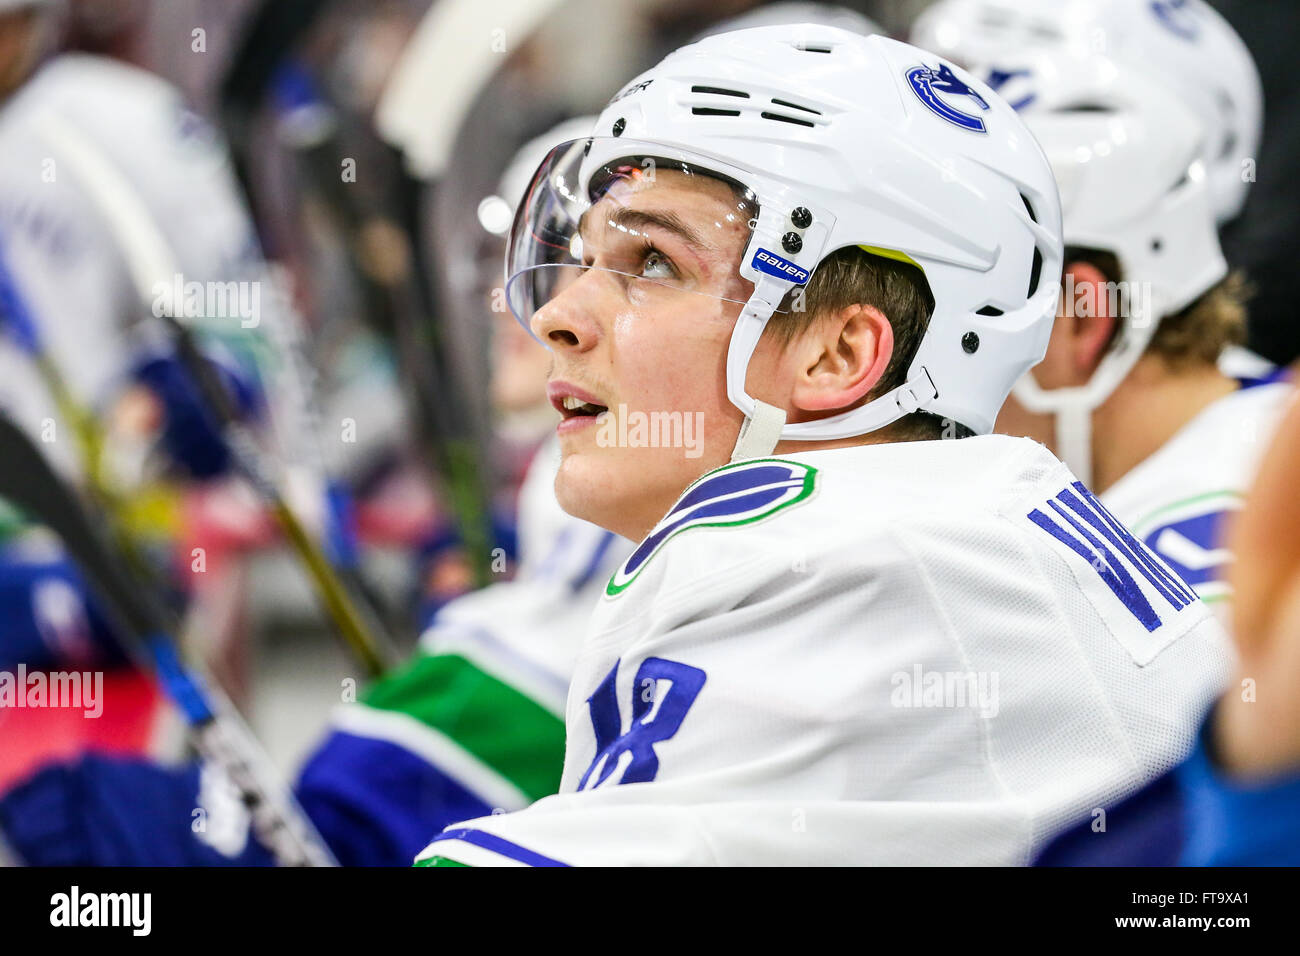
(1074, 440)
(760, 432)
(765, 425)
(763, 422)
(1071, 410)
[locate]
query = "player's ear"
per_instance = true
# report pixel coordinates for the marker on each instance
(1091, 321)
(841, 358)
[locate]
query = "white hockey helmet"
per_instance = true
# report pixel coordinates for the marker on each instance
(1185, 44)
(829, 140)
(796, 13)
(1127, 155)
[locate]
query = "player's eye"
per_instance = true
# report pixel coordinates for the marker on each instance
(656, 265)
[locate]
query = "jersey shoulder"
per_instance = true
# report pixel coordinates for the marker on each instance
(790, 509)
(736, 497)
(1176, 501)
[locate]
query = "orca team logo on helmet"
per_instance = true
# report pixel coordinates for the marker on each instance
(1177, 17)
(928, 83)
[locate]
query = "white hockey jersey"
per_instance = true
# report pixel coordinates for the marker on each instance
(919, 653)
(476, 716)
(528, 631)
(81, 113)
(1176, 500)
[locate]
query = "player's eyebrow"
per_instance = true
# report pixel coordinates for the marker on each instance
(635, 220)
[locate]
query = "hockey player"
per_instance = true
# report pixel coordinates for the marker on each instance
(471, 724)
(83, 138)
(1235, 800)
(840, 639)
(1131, 393)
(474, 723)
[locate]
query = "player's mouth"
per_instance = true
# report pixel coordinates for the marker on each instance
(578, 408)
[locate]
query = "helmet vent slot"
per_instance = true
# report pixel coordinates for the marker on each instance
(795, 106)
(787, 119)
(812, 48)
(1035, 267)
(719, 91)
(990, 310)
(710, 111)
(1035, 271)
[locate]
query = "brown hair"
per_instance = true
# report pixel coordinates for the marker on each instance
(852, 275)
(1195, 335)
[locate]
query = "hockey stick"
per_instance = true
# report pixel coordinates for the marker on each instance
(422, 110)
(433, 87)
(218, 734)
(357, 630)
(433, 384)
(440, 69)
(16, 320)
(152, 266)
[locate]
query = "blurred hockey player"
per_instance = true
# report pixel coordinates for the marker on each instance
(1131, 393)
(787, 263)
(471, 724)
(1235, 801)
(474, 723)
(95, 155)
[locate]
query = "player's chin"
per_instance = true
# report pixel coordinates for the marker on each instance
(588, 478)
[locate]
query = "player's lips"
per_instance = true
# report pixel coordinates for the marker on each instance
(577, 406)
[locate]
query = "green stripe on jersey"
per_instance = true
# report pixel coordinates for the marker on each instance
(1227, 494)
(438, 861)
(505, 729)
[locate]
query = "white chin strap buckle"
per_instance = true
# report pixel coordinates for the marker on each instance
(916, 393)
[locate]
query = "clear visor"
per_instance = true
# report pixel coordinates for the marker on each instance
(618, 224)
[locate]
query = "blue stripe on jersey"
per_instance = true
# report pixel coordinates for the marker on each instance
(499, 846)
(378, 804)
(1279, 374)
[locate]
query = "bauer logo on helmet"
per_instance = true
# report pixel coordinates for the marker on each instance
(773, 264)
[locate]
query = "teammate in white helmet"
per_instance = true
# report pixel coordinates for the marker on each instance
(1187, 44)
(840, 639)
(1131, 393)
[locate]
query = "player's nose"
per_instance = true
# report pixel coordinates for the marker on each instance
(568, 321)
